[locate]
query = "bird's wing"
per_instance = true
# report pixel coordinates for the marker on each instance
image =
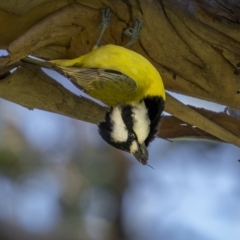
(109, 86)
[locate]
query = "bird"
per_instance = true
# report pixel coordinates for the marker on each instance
(126, 82)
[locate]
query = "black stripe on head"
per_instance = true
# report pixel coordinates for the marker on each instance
(105, 128)
(127, 117)
(155, 106)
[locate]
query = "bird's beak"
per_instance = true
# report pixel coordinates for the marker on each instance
(142, 154)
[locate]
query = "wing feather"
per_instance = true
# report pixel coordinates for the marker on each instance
(109, 86)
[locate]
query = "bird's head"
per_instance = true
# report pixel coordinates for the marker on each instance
(132, 127)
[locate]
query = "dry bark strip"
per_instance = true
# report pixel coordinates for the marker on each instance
(190, 116)
(172, 128)
(30, 87)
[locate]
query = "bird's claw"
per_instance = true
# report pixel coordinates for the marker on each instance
(134, 32)
(106, 16)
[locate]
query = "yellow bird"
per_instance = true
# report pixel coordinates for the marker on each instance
(126, 82)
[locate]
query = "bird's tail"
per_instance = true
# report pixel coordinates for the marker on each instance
(37, 62)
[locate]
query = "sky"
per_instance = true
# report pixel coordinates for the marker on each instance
(192, 192)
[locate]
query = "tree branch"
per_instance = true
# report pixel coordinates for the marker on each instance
(32, 88)
(194, 46)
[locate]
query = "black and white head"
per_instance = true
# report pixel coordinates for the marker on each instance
(132, 127)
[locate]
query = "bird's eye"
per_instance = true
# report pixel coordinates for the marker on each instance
(131, 137)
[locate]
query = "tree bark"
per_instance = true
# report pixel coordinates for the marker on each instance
(194, 44)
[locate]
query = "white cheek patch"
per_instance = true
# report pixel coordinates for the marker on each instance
(119, 132)
(134, 147)
(141, 122)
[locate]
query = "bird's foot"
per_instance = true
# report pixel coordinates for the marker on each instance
(106, 17)
(134, 32)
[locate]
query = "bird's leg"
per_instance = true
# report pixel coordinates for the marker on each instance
(134, 32)
(106, 16)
